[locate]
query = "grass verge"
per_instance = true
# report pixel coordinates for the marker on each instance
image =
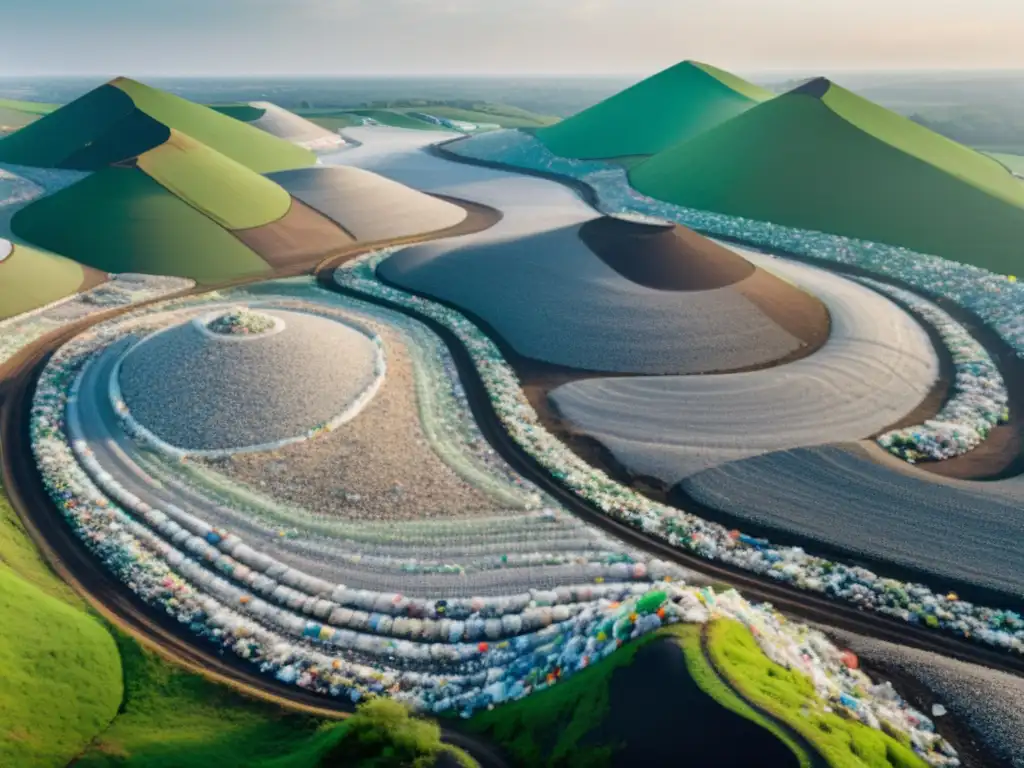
(790, 696)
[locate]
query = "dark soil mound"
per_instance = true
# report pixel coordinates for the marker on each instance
(664, 256)
(661, 717)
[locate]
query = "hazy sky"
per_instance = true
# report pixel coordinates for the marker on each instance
(182, 37)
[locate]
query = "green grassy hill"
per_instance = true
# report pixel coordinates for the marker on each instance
(102, 127)
(122, 119)
(249, 146)
(121, 220)
(822, 158)
(31, 278)
(226, 191)
(655, 114)
(60, 668)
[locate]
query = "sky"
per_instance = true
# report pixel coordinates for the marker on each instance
(429, 37)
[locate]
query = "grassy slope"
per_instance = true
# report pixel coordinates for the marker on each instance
(549, 727)
(60, 670)
(560, 718)
(226, 191)
(787, 693)
(171, 718)
(120, 220)
(707, 680)
(31, 278)
(61, 677)
(243, 143)
(969, 165)
(62, 687)
(794, 161)
(51, 140)
(653, 115)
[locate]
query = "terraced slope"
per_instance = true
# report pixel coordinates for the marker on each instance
(62, 682)
(226, 191)
(31, 278)
(822, 158)
(655, 114)
(121, 220)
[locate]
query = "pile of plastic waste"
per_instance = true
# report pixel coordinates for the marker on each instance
(979, 399)
(914, 603)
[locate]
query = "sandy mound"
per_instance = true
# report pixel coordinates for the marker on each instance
(368, 206)
(201, 390)
(279, 122)
(663, 255)
(552, 299)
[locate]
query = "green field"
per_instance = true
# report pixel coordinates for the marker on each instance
(30, 278)
(789, 695)
(505, 116)
(655, 114)
(226, 191)
(243, 143)
(61, 672)
(1015, 163)
(839, 164)
(564, 725)
(121, 220)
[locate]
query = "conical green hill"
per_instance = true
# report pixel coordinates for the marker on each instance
(824, 159)
(653, 115)
(102, 127)
(243, 143)
(123, 119)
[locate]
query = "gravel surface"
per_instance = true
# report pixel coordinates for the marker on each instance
(377, 466)
(368, 206)
(549, 296)
(877, 365)
(843, 498)
(199, 391)
(990, 702)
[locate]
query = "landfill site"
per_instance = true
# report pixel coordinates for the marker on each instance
(484, 424)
